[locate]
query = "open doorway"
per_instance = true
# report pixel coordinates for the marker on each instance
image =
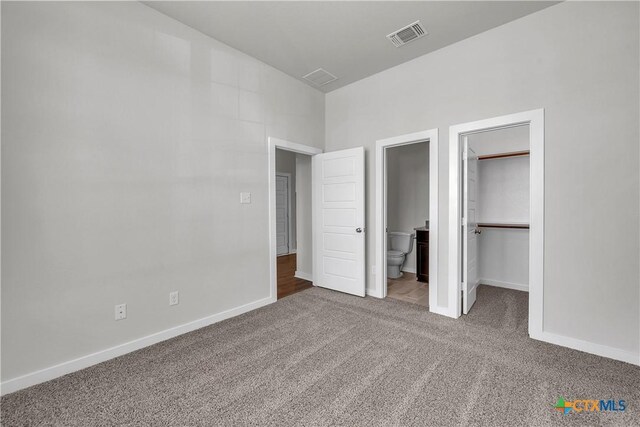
(407, 212)
(293, 222)
(290, 217)
(495, 236)
(497, 216)
(407, 219)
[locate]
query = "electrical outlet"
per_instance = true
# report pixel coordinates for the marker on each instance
(173, 298)
(245, 198)
(121, 311)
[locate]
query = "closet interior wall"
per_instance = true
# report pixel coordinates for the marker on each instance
(503, 206)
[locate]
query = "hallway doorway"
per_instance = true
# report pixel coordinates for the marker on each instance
(288, 283)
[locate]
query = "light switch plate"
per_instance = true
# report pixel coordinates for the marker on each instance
(245, 198)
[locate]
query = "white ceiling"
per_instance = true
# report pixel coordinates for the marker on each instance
(348, 39)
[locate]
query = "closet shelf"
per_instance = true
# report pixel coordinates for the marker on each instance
(504, 155)
(520, 226)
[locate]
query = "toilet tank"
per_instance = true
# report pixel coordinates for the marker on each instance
(399, 241)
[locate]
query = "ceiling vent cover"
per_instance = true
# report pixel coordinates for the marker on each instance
(320, 77)
(407, 34)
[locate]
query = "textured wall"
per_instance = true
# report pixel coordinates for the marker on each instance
(126, 140)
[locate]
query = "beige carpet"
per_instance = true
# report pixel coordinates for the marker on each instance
(324, 358)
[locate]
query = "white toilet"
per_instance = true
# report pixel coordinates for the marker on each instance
(398, 246)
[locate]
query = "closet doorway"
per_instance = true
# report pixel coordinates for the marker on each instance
(496, 213)
(495, 208)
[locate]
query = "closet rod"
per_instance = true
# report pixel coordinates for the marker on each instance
(504, 155)
(503, 225)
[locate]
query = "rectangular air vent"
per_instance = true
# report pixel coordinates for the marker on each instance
(407, 34)
(320, 77)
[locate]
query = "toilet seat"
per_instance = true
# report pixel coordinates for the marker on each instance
(395, 253)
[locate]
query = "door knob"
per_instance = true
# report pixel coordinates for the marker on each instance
(358, 230)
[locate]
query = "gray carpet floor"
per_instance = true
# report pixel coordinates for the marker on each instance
(321, 358)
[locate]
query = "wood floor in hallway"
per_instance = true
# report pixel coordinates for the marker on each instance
(287, 282)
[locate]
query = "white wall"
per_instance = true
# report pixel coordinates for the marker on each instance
(503, 258)
(286, 163)
(126, 140)
(304, 257)
(503, 190)
(503, 197)
(587, 82)
(408, 192)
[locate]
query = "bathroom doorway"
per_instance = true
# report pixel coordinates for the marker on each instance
(407, 218)
(407, 213)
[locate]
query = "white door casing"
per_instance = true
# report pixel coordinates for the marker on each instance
(535, 120)
(338, 223)
(282, 214)
(273, 144)
(379, 288)
(469, 227)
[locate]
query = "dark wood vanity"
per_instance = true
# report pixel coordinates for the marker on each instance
(422, 254)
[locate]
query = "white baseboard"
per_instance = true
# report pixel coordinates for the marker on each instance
(290, 252)
(506, 285)
(409, 270)
(302, 275)
(64, 368)
(588, 347)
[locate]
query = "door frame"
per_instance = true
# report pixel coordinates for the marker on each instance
(289, 222)
(535, 120)
(430, 136)
(272, 144)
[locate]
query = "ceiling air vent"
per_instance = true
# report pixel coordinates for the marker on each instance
(320, 77)
(407, 34)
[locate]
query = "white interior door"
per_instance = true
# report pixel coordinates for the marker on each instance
(469, 227)
(282, 214)
(338, 221)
